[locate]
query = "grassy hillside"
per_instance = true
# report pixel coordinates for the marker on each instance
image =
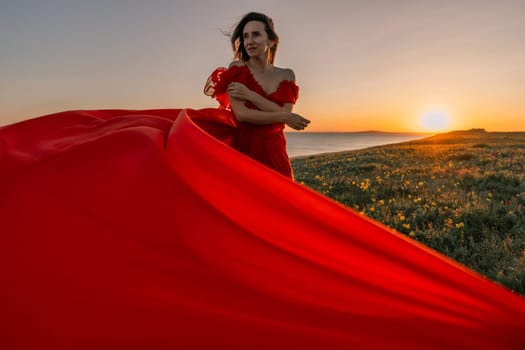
(461, 193)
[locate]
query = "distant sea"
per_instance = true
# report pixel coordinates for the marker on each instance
(309, 143)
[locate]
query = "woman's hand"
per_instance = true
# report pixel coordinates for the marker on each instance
(239, 91)
(297, 122)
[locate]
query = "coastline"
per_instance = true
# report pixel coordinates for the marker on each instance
(301, 144)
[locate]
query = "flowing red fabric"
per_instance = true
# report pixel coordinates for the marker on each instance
(147, 230)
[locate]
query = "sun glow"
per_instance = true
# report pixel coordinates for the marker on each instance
(435, 120)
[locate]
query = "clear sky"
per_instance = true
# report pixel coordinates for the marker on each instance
(360, 64)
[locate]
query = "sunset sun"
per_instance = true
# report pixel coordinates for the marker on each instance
(434, 120)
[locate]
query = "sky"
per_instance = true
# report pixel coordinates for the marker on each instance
(390, 65)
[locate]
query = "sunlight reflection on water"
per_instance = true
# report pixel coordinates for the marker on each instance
(308, 143)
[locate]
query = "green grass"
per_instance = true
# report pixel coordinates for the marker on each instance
(460, 193)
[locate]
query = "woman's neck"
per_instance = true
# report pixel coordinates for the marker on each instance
(259, 64)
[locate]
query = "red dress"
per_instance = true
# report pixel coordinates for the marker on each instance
(144, 229)
(264, 143)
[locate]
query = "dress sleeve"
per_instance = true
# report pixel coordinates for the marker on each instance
(287, 93)
(218, 82)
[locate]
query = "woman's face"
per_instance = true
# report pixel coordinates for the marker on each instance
(256, 42)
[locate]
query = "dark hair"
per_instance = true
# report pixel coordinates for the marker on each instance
(237, 37)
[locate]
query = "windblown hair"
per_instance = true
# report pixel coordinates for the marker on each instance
(237, 37)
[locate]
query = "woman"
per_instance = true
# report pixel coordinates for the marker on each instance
(260, 95)
(146, 230)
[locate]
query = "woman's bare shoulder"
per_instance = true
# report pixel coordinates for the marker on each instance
(236, 64)
(286, 74)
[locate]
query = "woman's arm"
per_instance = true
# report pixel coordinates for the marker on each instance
(245, 114)
(241, 92)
